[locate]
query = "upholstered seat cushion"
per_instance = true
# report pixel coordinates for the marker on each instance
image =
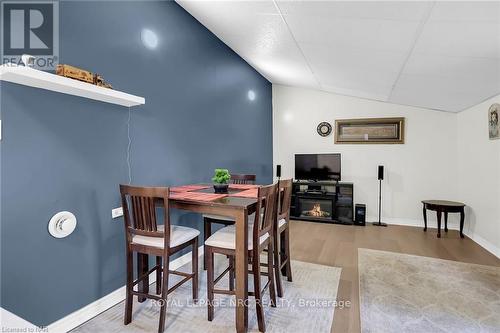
(226, 238)
(178, 235)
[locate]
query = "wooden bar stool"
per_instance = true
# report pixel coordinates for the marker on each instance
(260, 236)
(211, 219)
(282, 261)
(145, 237)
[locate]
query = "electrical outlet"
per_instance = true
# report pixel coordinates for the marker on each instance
(117, 212)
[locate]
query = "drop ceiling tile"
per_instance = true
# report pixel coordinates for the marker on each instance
(387, 10)
(355, 78)
(262, 48)
(440, 93)
(349, 57)
(466, 11)
(458, 68)
(257, 20)
(255, 27)
(460, 38)
(221, 9)
(282, 63)
(255, 35)
(393, 36)
(354, 93)
(287, 72)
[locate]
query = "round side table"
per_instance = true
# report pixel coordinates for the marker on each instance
(444, 206)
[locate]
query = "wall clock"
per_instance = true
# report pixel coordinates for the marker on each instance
(324, 129)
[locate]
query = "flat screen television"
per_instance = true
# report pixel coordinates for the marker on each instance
(317, 167)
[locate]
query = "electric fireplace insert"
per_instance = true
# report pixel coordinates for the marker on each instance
(316, 208)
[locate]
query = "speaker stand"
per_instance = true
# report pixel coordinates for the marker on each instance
(379, 223)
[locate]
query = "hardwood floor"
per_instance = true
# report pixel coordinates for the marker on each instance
(337, 245)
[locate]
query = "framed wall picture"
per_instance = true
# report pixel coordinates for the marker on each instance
(493, 123)
(370, 130)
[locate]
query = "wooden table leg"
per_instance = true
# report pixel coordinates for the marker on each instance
(438, 212)
(242, 271)
(445, 221)
(142, 268)
(425, 218)
(207, 231)
(462, 219)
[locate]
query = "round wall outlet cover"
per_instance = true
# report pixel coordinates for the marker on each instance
(62, 224)
(324, 128)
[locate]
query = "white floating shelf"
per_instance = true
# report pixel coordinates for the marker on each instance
(39, 79)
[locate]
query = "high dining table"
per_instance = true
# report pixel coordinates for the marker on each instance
(239, 203)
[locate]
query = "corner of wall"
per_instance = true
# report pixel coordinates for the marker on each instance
(478, 176)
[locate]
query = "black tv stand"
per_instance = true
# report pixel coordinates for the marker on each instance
(315, 192)
(322, 201)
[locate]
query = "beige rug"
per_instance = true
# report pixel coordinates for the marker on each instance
(308, 306)
(406, 293)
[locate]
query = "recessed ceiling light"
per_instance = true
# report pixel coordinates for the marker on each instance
(149, 38)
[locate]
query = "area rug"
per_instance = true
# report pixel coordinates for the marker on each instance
(407, 293)
(308, 306)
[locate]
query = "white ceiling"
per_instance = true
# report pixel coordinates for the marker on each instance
(436, 55)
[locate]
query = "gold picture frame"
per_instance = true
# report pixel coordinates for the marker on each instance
(370, 131)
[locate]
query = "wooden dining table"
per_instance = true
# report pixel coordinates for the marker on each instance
(238, 204)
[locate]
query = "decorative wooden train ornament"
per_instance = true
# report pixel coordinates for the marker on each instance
(81, 75)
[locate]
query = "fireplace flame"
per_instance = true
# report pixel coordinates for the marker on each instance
(316, 211)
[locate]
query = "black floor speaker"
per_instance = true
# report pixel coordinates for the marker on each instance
(360, 214)
(380, 178)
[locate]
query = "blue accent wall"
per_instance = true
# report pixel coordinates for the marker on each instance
(61, 152)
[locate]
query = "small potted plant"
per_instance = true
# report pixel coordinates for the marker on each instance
(221, 180)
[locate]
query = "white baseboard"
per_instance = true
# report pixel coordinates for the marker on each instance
(413, 222)
(88, 312)
(488, 246)
(10, 322)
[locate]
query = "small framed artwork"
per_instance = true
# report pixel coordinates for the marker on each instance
(370, 130)
(493, 123)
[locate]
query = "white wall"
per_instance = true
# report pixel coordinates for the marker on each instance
(479, 175)
(423, 168)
